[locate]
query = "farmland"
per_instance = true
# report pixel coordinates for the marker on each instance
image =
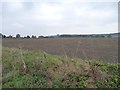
(105, 49)
(60, 63)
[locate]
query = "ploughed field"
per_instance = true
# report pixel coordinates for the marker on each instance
(85, 48)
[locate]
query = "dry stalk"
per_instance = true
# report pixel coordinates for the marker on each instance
(45, 55)
(12, 59)
(84, 54)
(77, 48)
(93, 48)
(64, 52)
(92, 67)
(21, 58)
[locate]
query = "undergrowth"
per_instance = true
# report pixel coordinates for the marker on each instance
(37, 69)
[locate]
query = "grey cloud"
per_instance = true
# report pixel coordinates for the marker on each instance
(59, 17)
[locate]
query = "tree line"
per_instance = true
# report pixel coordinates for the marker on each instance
(57, 36)
(19, 36)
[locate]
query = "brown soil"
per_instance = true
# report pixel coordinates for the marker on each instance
(85, 48)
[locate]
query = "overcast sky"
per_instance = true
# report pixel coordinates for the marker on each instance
(51, 17)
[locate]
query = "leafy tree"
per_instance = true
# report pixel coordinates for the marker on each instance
(9, 36)
(40, 36)
(17, 35)
(28, 36)
(3, 36)
(33, 36)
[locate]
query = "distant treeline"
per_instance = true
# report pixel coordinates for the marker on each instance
(64, 36)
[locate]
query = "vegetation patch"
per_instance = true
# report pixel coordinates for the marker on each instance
(38, 69)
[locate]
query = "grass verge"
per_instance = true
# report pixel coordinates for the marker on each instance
(37, 69)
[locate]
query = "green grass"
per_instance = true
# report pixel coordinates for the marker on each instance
(37, 69)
